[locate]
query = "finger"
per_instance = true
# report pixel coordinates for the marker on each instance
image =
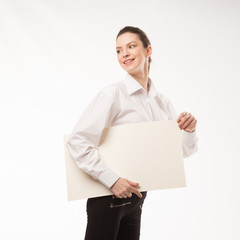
(184, 119)
(133, 183)
(188, 122)
(137, 192)
(192, 126)
(121, 195)
(129, 194)
(124, 196)
(180, 116)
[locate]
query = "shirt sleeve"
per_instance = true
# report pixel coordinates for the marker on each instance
(189, 140)
(82, 143)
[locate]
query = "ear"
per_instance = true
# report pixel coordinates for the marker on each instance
(149, 51)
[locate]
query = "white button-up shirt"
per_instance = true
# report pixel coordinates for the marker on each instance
(119, 103)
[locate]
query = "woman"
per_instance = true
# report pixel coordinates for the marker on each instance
(134, 99)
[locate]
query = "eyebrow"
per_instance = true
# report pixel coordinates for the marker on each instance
(126, 44)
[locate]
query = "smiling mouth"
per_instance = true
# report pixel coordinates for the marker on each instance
(128, 62)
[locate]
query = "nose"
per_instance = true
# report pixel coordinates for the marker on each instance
(125, 53)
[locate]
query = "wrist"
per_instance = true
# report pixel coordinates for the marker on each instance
(190, 131)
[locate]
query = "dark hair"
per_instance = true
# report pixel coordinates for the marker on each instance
(141, 34)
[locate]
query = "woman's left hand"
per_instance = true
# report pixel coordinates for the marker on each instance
(187, 122)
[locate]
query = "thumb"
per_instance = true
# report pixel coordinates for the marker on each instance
(133, 183)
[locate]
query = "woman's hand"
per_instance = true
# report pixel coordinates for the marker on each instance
(124, 188)
(187, 122)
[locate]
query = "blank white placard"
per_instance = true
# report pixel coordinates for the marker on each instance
(147, 152)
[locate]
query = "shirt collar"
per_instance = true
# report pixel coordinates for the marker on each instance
(133, 85)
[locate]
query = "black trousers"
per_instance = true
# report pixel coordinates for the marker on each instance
(112, 218)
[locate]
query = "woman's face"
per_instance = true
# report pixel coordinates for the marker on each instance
(129, 47)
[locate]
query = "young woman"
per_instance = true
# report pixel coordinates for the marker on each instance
(134, 99)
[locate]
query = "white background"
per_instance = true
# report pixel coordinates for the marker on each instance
(54, 58)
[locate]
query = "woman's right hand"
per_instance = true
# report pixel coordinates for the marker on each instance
(124, 188)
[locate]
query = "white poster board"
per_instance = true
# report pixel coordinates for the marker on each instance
(149, 153)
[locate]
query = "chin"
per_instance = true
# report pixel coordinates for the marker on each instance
(132, 70)
(129, 71)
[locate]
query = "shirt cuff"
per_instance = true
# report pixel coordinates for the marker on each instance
(189, 135)
(108, 177)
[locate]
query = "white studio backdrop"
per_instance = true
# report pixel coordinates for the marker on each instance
(56, 55)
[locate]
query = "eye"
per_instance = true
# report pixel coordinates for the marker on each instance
(118, 51)
(131, 45)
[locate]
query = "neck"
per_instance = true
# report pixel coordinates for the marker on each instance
(142, 78)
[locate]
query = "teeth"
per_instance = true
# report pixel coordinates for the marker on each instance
(129, 61)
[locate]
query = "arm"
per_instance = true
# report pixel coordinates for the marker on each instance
(83, 142)
(189, 136)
